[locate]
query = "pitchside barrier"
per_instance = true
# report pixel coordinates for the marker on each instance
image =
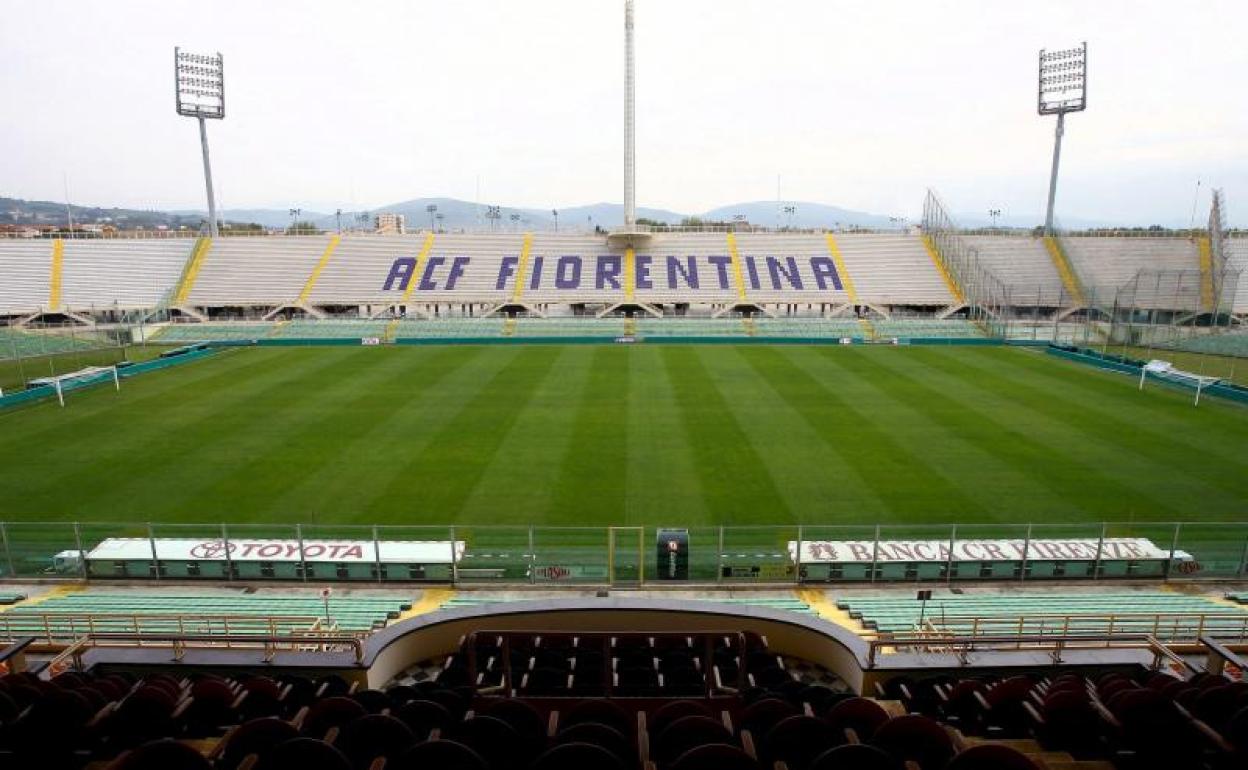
(624, 556)
(1142, 370)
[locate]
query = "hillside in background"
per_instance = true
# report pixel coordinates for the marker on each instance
(459, 214)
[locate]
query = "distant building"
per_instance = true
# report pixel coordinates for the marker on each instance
(391, 223)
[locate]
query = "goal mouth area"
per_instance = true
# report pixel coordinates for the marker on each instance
(76, 380)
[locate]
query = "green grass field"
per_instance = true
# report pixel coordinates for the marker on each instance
(594, 435)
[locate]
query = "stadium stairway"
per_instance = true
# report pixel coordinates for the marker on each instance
(1070, 279)
(938, 261)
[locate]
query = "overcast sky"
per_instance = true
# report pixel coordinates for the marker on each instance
(860, 104)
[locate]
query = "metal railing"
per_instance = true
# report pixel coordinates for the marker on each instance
(961, 647)
(58, 627)
(181, 643)
(1170, 626)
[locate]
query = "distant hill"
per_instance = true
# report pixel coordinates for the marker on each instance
(806, 214)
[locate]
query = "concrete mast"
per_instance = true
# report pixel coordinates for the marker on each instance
(630, 119)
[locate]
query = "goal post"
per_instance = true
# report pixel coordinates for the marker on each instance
(91, 375)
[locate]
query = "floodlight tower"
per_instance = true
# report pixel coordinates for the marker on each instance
(1063, 88)
(630, 119)
(200, 91)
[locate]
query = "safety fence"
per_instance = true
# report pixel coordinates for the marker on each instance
(624, 556)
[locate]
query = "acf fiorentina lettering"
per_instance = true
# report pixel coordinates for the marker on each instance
(572, 272)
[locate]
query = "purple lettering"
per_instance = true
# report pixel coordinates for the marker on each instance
(688, 270)
(752, 270)
(272, 549)
(354, 552)
(313, 551)
(426, 280)
(924, 552)
(506, 270)
(457, 272)
(609, 268)
(860, 552)
(642, 270)
(966, 549)
(825, 270)
(568, 273)
(788, 269)
(401, 271)
(721, 266)
(535, 275)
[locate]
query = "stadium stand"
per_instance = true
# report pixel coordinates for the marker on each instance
(121, 274)
(893, 269)
(572, 699)
(1022, 262)
(15, 343)
(256, 271)
(64, 616)
(1109, 262)
(25, 268)
(469, 274)
(1168, 614)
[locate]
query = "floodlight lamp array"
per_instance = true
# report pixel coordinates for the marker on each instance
(1063, 83)
(200, 84)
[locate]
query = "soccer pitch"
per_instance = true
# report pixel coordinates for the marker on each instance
(590, 435)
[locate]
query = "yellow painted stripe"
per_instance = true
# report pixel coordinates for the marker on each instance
(430, 600)
(419, 270)
(198, 255)
(1064, 269)
(54, 281)
(839, 261)
(391, 327)
(818, 601)
(630, 274)
(43, 597)
(737, 273)
(509, 327)
(522, 270)
(316, 271)
(950, 284)
(630, 327)
(1205, 249)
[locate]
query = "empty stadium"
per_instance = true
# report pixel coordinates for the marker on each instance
(646, 496)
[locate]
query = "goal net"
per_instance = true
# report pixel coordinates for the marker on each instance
(91, 375)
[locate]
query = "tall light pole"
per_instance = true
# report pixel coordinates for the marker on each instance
(199, 88)
(994, 213)
(790, 211)
(338, 216)
(432, 208)
(1063, 88)
(294, 219)
(555, 214)
(630, 149)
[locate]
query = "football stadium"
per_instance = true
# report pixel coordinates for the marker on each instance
(647, 496)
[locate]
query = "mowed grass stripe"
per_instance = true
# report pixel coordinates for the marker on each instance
(906, 482)
(737, 487)
(1162, 410)
(1029, 478)
(95, 409)
(127, 444)
(663, 484)
(230, 463)
(362, 482)
(315, 444)
(439, 479)
(1137, 437)
(523, 475)
(932, 430)
(594, 469)
(797, 437)
(1135, 487)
